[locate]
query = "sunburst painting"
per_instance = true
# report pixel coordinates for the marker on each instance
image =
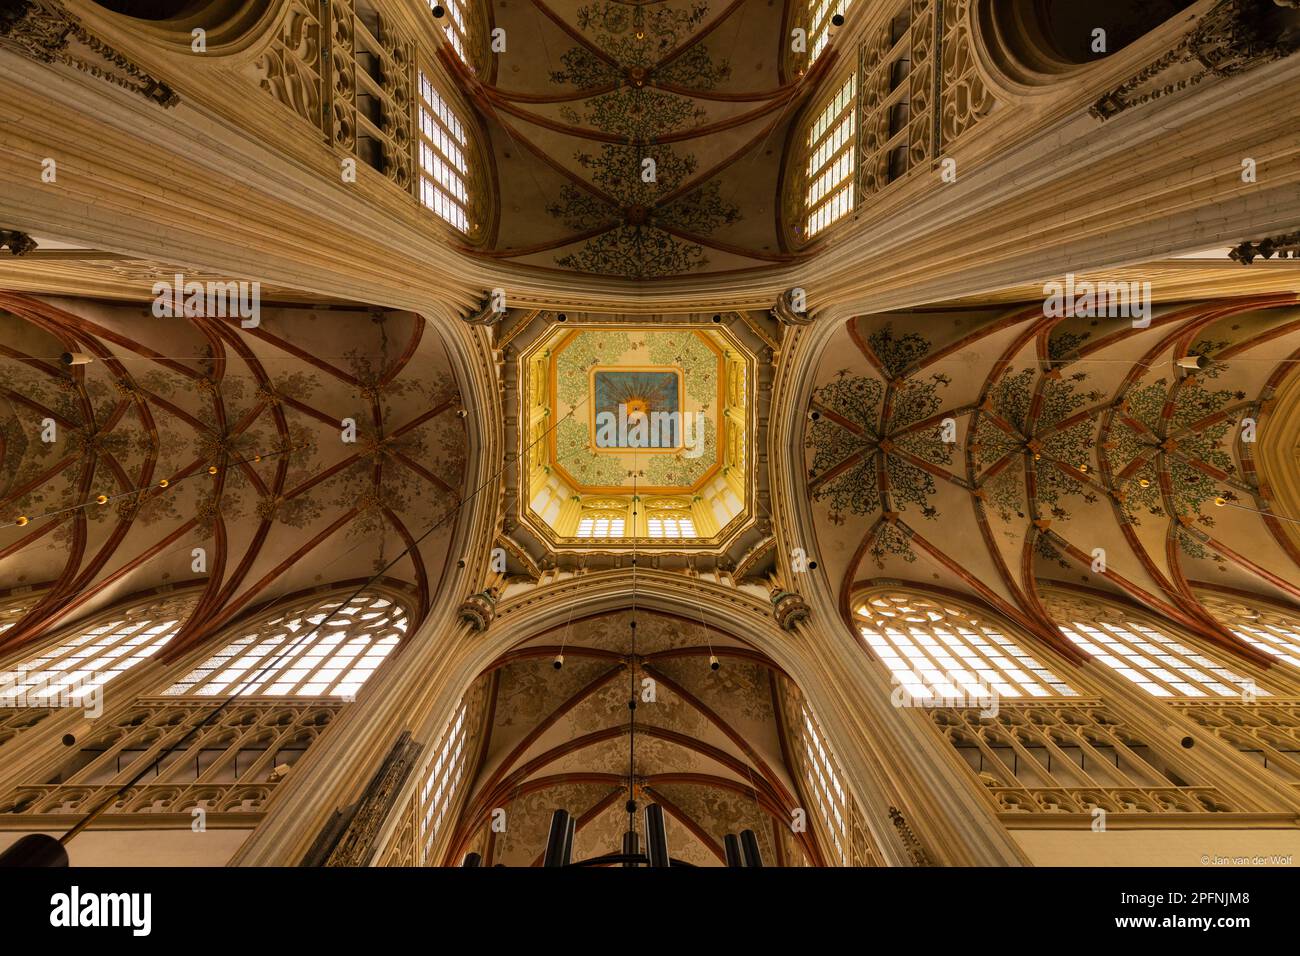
(639, 394)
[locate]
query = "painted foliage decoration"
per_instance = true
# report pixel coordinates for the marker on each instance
(238, 448)
(703, 729)
(1052, 439)
(1060, 440)
(582, 392)
(644, 212)
(869, 437)
(1181, 428)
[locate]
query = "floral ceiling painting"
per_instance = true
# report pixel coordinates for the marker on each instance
(594, 371)
(710, 746)
(308, 451)
(642, 141)
(1001, 451)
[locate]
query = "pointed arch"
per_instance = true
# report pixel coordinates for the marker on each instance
(321, 646)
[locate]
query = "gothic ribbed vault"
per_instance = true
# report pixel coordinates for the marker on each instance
(711, 748)
(206, 435)
(990, 450)
(588, 92)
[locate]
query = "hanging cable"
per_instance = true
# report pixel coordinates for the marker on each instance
(163, 483)
(564, 641)
(631, 667)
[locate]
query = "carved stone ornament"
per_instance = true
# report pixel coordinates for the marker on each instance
(485, 314)
(789, 609)
(479, 610)
(18, 243)
(1281, 247)
(909, 838)
(1235, 36)
(356, 845)
(784, 313)
(44, 31)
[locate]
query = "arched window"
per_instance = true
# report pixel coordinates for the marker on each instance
(669, 518)
(289, 655)
(937, 649)
(831, 152)
(1263, 627)
(602, 518)
(824, 781)
(819, 24)
(1143, 650)
(11, 612)
(443, 779)
(463, 24)
(444, 166)
(90, 655)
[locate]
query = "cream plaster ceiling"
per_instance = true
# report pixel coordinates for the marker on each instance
(1067, 436)
(288, 505)
(709, 747)
(587, 90)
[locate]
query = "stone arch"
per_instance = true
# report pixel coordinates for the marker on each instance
(230, 26)
(1034, 42)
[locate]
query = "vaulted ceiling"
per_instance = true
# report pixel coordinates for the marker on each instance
(989, 450)
(639, 139)
(710, 745)
(202, 434)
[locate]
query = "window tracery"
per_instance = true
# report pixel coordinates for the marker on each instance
(601, 523)
(845, 829)
(1262, 627)
(230, 764)
(938, 650)
(819, 24)
(11, 612)
(87, 656)
(464, 27)
(443, 779)
(371, 71)
(1143, 650)
(444, 166)
(1266, 732)
(669, 518)
(886, 101)
(1072, 757)
(831, 146)
(285, 655)
(823, 778)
